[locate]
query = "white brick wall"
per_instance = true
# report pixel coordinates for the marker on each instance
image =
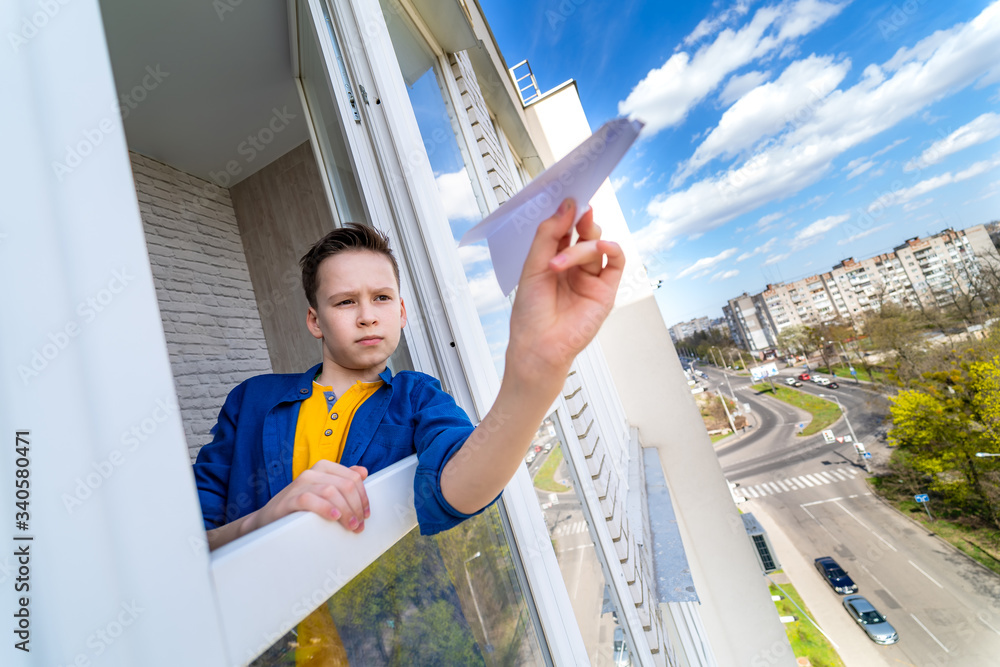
(500, 177)
(207, 304)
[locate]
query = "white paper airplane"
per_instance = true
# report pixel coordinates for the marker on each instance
(510, 229)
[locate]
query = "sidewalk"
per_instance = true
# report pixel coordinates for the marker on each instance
(823, 603)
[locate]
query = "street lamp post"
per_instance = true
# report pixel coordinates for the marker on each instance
(725, 407)
(850, 428)
(475, 601)
(847, 358)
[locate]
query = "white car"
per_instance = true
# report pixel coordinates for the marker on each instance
(530, 457)
(547, 446)
(821, 381)
(792, 382)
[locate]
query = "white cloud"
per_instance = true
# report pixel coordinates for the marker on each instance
(927, 185)
(978, 131)
(815, 231)
(473, 254)
(767, 222)
(704, 265)
(663, 98)
(740, 85)
(914, 205)
(709, 26)
(759, 250)
(486, 293)
(641, 182)
(724, 275)
(860, 169)
(619, 183)
(845, 119)
(774, 259)
(457, 196)
(862, 234)
(768, 108)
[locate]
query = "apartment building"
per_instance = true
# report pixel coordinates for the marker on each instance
(927, 272)
(745, 324)
(682, 330)
(206, 146)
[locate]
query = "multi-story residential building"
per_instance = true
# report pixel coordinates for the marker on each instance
(682, 330)
(745, 325)
(171, 161)
(927, 272)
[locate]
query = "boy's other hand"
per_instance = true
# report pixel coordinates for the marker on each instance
(332, 491)
(564, 294)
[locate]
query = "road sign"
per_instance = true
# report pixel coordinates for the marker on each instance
(847, 438)
(746, 407)
(802, 425)
(853, 372)
(828, 436)
(922, 498)
(866, 455)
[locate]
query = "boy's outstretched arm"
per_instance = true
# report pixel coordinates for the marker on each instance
(564, 295)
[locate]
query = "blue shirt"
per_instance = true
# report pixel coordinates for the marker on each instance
(250, 457)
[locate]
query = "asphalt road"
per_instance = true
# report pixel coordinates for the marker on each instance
(945, 608)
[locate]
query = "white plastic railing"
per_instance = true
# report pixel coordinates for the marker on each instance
(268, 581)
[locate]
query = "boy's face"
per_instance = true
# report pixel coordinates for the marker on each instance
(359, 314)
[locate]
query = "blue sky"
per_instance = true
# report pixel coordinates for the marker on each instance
(781, 137)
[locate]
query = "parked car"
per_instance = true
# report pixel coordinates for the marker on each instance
(547, 446)
(530, 457)
(805, 377)
(832, 385)
(874, 624)
(821, 381)
(793, 382)
(835, 575)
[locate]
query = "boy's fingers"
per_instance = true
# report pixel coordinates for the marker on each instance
(548, 237)
(586, 254)
(587, 228)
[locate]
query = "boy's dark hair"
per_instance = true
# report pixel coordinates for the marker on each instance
(352, 236)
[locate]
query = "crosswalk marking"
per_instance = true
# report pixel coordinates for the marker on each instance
(761, 489)
(570, 528)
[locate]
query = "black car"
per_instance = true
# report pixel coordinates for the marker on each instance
(833, 385)
(835, 576)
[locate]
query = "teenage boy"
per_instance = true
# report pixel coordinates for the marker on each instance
(285, 443)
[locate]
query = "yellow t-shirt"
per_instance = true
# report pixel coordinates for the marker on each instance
(324, 422)
(320, 433)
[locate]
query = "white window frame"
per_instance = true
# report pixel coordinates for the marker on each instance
(394, 133)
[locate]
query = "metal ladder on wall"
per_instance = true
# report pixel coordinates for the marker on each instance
(530, 91)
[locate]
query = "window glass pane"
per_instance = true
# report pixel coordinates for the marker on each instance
(452, 599)
(461, 194)
(328, 123)
(562, 505)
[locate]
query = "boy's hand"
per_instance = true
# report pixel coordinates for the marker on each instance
(564, 294)
(328, 489)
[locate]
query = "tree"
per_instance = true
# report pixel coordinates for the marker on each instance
(942, 420)
(793, 340)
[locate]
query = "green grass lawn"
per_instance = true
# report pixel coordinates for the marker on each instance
(823, 412)
(842, 371)
(806, 640)
(544, 479)
(720, 436)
